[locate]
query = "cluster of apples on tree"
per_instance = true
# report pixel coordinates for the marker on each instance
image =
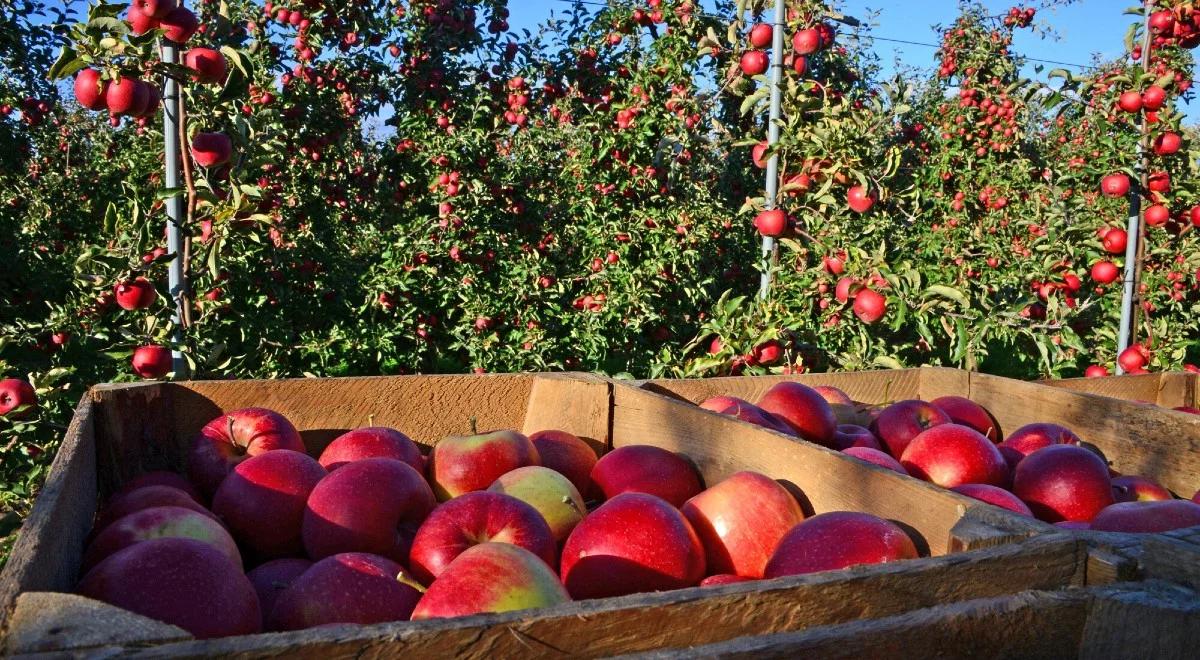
(1042, 469)
(260, 535)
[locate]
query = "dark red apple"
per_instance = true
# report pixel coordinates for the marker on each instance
(748, 412)
(1132, 488)
(151, 361)
(566, 454)
(211, 149)
(902, 421)
(740, 522)
(147, 497)
(262, 501)
(1063, 482)
(876, 457)
(1032, 437)
(160, 522)
(839, 539)
(349, 587)
(962, 410)
(852, 435)
(646, 469)
(16, 394)
(1147, 517)
(273, 578)
(183, 582)
(232, 438)
(372, 442)
(994, 495)
(633, 543)
(158, 478)
(951, 455)
(802, 408)
(373, 505)
(207, 65)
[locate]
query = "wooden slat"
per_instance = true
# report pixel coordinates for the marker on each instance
(1165, 389)
(48, 552)
(675, 619)
(1029, 625)
(1172, 560)
(1156, 620)
(864, 386)
(1137, 439)
(580, 404)
(829, 480)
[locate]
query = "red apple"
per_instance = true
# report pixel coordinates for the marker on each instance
(179, 25)
(475, 518)
(962, 410)
(1096, 371)
(802, 408)
(1132, 488)
(754, 62)
(646, 469)
(207, 65)
(875, 456)
(373, 505)
(1115, 240)
(182, 582)
(760, 35)
(1147, 517)
(139, 22)
(134, 294)
(568, 455)
(1167, 143)
(232, 438)
(807, 41)
(1130, 102)
(852, 435)
(551, 494)
(1063, 482)
(839, 539)
(740, 522)
(869, 306)
(771, 222)
(860, 199)
(151, 361)
(158, 478)
(491, 577)
(146, 497)
(17, 399)
(1105, 272)
(462, 464)
(748, 412)
(633, 543)
(994, 495)
(90, 89)
(211, 149)
(1115, 185)
(372, 442)
(349, 587)
(951, 455)
(126, 96)
(902, 421)
(723, 578)
(1153, 98)
(845, 409)
(160, 522)
(1032, 437)
(263, 499)
(273, 578)
(155, 8)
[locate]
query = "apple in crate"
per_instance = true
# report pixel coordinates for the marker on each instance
(839, 539)
(802, 408)
(899, 423)
(349, 587)
(475, 518)
(1032, 437)
(952, 455)
(183, 582)
(1063, 482)
(273, 578)
(374, 505)
(845, 410)
(463, 464)
(633, 543)
(962, 410)
(232, 438)
(1147, 517)
(1132, 488)
(747, 412)
(877, 457)
(491, 577)
(372, 442)
(853, 435)
(550, 494)
(160, 522)
(147, 497)
(568, 455)
(262, 501)
(158, 478)
(646, 469)
(994, 495)
(740, 522)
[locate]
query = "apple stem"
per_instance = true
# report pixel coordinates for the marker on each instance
(371, 419)
(474, 426)
(569, 501)
(229, 423)
(403, 578)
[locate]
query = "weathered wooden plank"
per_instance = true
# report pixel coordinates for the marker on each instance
(829, 480)
(680, 618)
(864, 386)
(48, 552)
(1034, 624)
(580, 404)
(1172, 560)
(1164, 389)
(1156, 620)
(45, 622)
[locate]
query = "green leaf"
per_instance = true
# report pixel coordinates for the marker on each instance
(68, 62)
(947, 292)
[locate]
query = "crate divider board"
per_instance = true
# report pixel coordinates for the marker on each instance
(1169, 389)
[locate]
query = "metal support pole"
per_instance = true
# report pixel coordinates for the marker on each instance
(172, 103)
(768, 244)
(1134, 239)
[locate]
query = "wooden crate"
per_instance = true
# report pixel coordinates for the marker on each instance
(1137, 439)
(1168, 390)
(121, 430)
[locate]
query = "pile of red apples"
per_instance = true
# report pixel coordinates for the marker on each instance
(261, 536)
(1043, 470)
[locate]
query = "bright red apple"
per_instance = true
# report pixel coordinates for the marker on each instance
(262, 501)
(134, 294)
(839, 539)
(491, 577)
(1032, 437)
(1147, 517)
(90, 89)
(232, 438)
(152, 361)
(646, 469)
(962, 410)
(902, 421)
(740, 522)
(207, 65)
(859, 199)
(876, 456)
(17, 398)
(1115, 185)
(760, 35)
(372, 442)
(349, 587)
(1063, 482)
(373, 505)
(568, 455)
(183, 582)
(869, 306)
(802, 408)
(211, 149)
(754, 62)
(633, 543)
(994, 495)
(951, 455)
(462, 464)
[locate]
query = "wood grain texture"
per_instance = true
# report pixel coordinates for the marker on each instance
(1156, 620)
(1028, 625)
(1164, 389)
(829, 480)
(44, 621)
(1172, 560)
(49, 548)
(674, 619)
(580, 404)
